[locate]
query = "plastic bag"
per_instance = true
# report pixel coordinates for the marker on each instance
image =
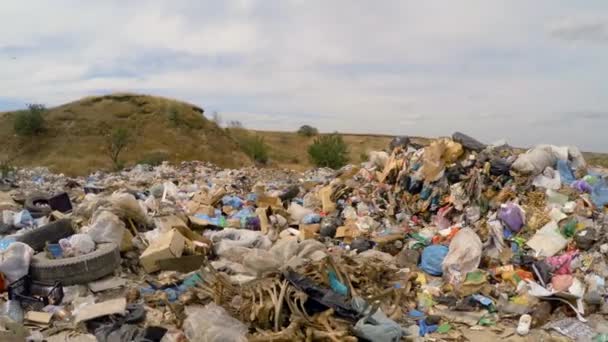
(234, 243)
(212, 323)
(581, 186)
(311, 219)
(468, 142)
(464, 255)
(535, 160)
(15, 261)
(106, 227)
(548, 241)
(23, 219)
(437, 155)
(298, 212)
(233, 201)
(378, 158)
(599, 196)
(77, 244)
(565, 172)
(125, 206)
(549, 179)
(432, 259)
(512, 215)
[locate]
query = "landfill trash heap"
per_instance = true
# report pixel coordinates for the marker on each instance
(455, 240)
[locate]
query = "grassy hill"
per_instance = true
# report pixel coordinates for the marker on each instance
(74, 139)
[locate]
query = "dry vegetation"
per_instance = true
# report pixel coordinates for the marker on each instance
(75, 135)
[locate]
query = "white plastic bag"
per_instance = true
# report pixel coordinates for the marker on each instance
(549, 179)
(378, 158)
(77, 244)
(106, 227)
(297, 212)
(463, 256)
(23, 219)
(126, 207)
(15, 261)
(535, 160)
(212, 323)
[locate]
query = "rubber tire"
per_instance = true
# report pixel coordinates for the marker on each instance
(36, 211)
(76, 270)
(51, 233)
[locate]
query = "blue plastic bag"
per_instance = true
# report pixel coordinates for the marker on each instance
(565, 172)
(432, 258)
(311, 219)
(232, 201)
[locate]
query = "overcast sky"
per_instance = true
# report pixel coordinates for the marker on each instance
(527, 71)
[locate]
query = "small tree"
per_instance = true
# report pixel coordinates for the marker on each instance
(235, 124)
(30, 122)
(329, 151)
(117, 141)
(308, 131)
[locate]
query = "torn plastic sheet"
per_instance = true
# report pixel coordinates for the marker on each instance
(572, 328)
(565, 297)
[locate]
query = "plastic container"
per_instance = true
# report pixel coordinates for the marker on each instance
(523, 328)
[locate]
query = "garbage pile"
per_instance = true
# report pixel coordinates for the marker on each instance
(455, 240)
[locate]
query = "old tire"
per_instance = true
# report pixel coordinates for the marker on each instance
(36, 211)
(52, 232)
(76, 270)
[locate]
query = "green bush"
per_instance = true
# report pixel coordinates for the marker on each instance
(328, 151)
(154, 158)
(255, 147)
(30, 122)
(308, 131)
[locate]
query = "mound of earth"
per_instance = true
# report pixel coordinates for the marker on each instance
(75, 137)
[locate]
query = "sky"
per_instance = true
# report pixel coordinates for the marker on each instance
(525, 71)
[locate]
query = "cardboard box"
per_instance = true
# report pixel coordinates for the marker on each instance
(166, 223)
(309, 231)
(168, 245)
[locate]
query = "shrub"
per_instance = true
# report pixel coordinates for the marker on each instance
(255, 147)
(116, 142)
(235, 124)
(308, 131)
(30, 122)
(6, 168)
(329, 151)
(173, 116)
(154, 158)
